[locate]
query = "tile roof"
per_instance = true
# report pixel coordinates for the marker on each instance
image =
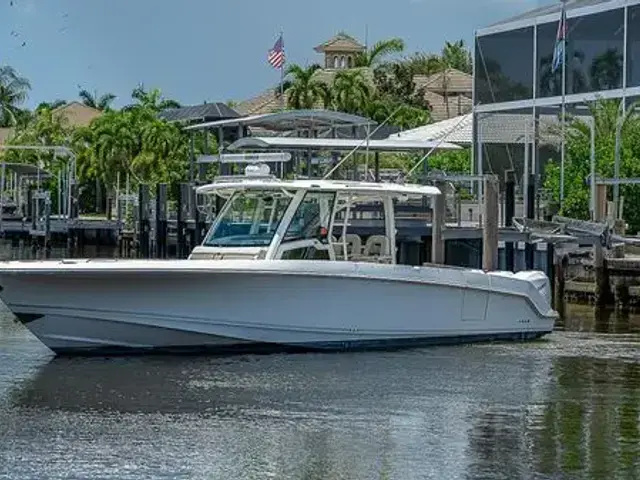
(340, 43)
(450, 80)
(443, 107)
(77, 114)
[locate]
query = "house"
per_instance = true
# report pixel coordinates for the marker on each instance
(339, 54)
(340, 51)
(448, 92)
(5, 133)
(76, 114)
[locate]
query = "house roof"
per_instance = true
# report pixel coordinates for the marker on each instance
(452, 105)
(340, 43)
(269, 101)
(449, 80)
(77, 114)
(206, 112)
(5, 133)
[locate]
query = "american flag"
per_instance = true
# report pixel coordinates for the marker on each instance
(561, 40)
(276, 55)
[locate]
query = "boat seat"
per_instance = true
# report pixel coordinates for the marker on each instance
(377, 249)
(377, 245)
(354, 246)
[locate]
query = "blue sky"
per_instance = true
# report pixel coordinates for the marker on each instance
(213, 50)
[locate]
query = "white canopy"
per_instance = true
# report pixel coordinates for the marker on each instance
(382, 189)
(336, 144)
(457, 130)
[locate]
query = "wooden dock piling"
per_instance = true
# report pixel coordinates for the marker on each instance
(439, 211)
(161, 220)
(529, 249)
(490, 226)
(144, 225)
(603, 290)
(183, 215)
(510, 212)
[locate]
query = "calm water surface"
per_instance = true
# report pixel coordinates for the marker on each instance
(563, 408)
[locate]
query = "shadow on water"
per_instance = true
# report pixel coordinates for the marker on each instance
(565, 407)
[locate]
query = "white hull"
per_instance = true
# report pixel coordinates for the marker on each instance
(92, 307)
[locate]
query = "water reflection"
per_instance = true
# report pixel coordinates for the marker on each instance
(566, 407)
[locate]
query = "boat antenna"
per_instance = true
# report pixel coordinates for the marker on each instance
(363, 142)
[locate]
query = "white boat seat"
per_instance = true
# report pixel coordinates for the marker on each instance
(354, 246)
(376, 246)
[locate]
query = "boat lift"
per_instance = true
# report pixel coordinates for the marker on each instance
(14, 175)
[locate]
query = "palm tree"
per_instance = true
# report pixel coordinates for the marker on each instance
(50, 105)
(151, 99)
(94, 101)
(457, 55)
(351, 91)
(13, 92)
(378, 52)
(303, 90)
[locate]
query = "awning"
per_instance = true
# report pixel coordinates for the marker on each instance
(337, 144)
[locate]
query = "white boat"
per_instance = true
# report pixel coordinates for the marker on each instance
(280, 268)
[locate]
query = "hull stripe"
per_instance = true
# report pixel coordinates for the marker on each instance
(263, 347)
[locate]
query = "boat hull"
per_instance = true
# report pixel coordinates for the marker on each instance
(239, 306)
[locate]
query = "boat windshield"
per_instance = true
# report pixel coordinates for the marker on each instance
(250, 219)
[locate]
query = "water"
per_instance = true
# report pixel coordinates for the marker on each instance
(563, 408)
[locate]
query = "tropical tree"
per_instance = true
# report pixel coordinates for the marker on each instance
(577, 159)
(50, 105)
(14, 90)
(351, 91)
(92, 100)
(377, 53)
(151, 99)
(456, 55)
(303, 89)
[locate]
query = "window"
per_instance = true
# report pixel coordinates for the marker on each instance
(343, 62)
(349, 61)
(633, 48)
(313, 214)
(249, 219)
(504, 66)
(594, 52)
(335, 62)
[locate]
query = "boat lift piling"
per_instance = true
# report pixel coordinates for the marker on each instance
(490, 224)
(438, 220)
(510, 212)
(144, 224)
(161, 221)
(182, 217)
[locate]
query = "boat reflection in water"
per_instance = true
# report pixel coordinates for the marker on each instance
(567, 407)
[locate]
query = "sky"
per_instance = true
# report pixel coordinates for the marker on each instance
(210, 50)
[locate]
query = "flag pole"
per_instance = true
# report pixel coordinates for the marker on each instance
(563, 104)
(282, 75)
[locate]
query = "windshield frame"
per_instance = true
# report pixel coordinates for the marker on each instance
(251, 239)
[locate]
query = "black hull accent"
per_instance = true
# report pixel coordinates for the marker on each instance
(271, 348)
